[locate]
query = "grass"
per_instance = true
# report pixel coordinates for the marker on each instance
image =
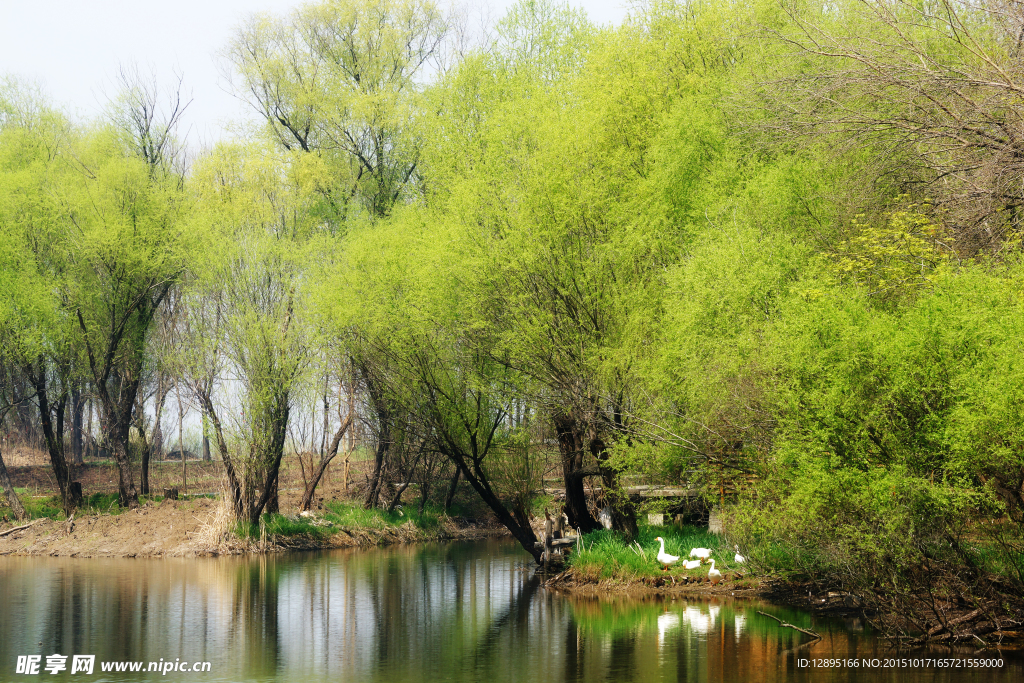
(350, 515)
(281, 525)
(339, 515)
(50, 506)
(605, 555)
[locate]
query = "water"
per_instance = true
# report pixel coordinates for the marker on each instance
(439, 612)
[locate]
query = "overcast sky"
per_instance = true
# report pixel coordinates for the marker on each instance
(72, 48)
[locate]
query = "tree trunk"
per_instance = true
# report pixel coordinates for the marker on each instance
(115, 421)
(273, 504)
(54, 441)
(571, 448)
(12, 498)
(307, 496)
(522, 532)
(89, 449)
(258, 485)
(146, 451)
(181, 440)
(77, 440)
(22, 405)
(127, 494)
(393, 503)
(623, 509)
(229, 466)
(451, 489)
(377, 477)
(385, 415)
(158, 410)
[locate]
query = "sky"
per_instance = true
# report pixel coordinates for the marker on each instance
(74, 48)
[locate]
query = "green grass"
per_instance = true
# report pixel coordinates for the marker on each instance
(349, 515)
(50, 506)
(282, 525)
(604, 555)
(341, 515)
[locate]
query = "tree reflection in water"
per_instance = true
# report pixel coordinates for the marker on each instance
(460, 612)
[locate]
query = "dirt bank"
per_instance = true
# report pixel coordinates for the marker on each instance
(193, 528)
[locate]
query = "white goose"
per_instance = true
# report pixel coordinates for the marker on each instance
(714, 574)
(739, 558)
(691, 564)
(664, 558)
(702, 554)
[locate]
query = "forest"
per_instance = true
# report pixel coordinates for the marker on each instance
(773, 242)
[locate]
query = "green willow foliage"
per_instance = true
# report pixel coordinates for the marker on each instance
(700, 244)
(636, 234)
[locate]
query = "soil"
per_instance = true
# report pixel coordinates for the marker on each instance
(192, 526)
(166, 529)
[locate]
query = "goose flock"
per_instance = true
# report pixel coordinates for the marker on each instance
(702, 554)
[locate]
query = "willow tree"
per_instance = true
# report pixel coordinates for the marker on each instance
(36, 337)
(341, 80)
(246, 310)
(396, 294)
(548, 149)
(126, 249)
(938, 84)
(341, 83)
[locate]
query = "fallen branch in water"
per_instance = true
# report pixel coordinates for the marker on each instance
(24, 526)
(785, 625)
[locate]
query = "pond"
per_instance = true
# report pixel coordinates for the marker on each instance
(435, 612)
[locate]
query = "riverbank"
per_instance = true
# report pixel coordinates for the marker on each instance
(971, 625)
(202, 527)
(601, 564)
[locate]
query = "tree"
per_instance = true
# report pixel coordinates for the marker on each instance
(340, 80)
(37, 337)
(126, 251)
(560, 134)
(245, 309)
(938, 84)
(398, 297)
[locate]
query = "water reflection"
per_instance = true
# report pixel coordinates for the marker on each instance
(461, 612)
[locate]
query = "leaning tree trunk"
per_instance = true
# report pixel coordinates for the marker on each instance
(514, 521)
(377, 477)
(385, 417)
(234, 482)
(12, 497)
(307, 496)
